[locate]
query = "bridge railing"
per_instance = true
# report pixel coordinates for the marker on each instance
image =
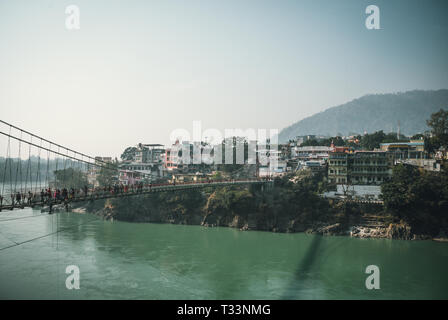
(51, 197)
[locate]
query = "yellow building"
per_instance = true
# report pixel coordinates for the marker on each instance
(415, 149)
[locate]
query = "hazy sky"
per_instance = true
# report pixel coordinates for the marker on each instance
(137, 70)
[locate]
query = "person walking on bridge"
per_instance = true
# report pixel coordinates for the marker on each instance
(30, 197)
(48, 195)
(18, 198)
(64, 194)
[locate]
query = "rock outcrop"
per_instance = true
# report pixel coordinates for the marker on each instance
(401, 231)
(366, 226)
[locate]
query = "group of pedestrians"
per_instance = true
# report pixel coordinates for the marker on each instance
(57, 194)
(21, 198)
(121, 188)
(49, 195)
(45, 196)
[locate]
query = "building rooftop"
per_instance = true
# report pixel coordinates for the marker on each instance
(314, 148)
(422, 143)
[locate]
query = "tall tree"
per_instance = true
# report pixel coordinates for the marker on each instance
(129, 153)
(439, 128)
(372, 141)
(108, 175)
(70, 178)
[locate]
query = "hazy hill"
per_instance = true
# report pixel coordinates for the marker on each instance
(372, 113)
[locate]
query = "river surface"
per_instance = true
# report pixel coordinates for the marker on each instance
(119, 260)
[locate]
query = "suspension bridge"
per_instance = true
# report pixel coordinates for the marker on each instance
(37, 172)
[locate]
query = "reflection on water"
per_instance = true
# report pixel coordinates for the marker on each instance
(157, 261)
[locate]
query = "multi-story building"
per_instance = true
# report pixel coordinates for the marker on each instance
(187, 156)
(426, 164)
(172, 157)
(414, 149)
(92, 174)
(338, 165)
(131, 172)
(270, 164)
(149, 153)
(313, 165)
(147, 164)
(359, 167)
(311, 152)
(370, 167)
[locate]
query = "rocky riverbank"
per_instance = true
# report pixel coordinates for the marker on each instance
(290, 206)
(393, 231)
(398, 231)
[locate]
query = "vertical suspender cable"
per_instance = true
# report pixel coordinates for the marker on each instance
(72, 166)
(19, 162)
(28, 167)
(64, 179)
(38, 182)
(48, 167)
(10, 172)
(56, 173)
(6, 164)
(21, 167)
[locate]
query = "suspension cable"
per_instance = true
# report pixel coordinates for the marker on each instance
(55, 144)
(107, 166)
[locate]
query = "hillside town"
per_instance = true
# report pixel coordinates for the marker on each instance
(353, 166)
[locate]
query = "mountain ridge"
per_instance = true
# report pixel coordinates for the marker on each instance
(373, 112)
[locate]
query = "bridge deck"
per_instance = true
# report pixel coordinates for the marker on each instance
(97, 195)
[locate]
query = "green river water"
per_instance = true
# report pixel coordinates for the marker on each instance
(119, 260)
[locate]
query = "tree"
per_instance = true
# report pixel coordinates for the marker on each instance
(129, 153)
(439, 128)
(418, 197)
(372, 141)
(337, 141)
(418, 136)
(395, 192)
(70, 178)
(108, 174)
(310, 143)
(392, 137)
(439, 122)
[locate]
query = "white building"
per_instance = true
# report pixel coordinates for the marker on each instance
(311, 152)
(270, 164)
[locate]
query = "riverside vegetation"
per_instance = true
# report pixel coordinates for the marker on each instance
(415, 207)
